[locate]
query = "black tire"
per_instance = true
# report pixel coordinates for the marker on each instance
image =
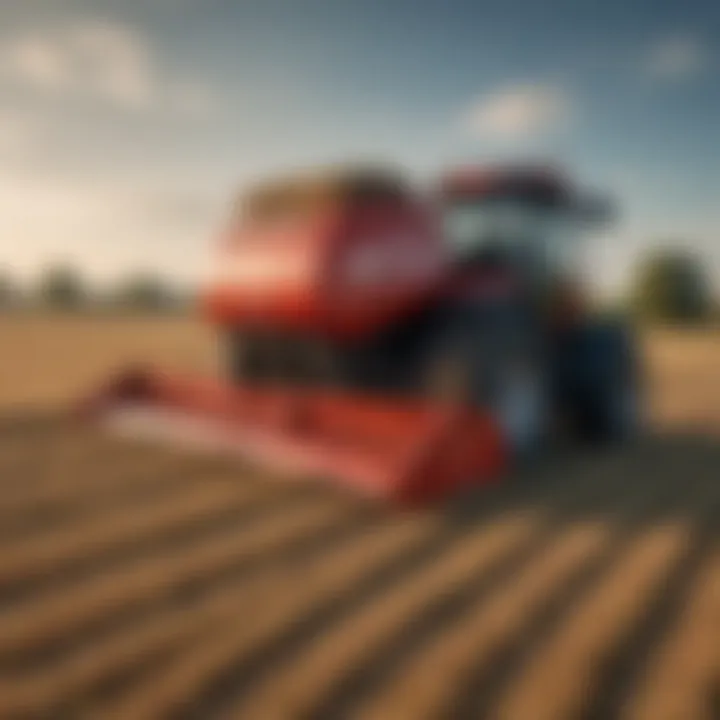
(603, 383)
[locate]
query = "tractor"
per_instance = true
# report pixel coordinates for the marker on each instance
(406, 339)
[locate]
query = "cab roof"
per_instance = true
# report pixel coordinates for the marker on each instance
(540, 183)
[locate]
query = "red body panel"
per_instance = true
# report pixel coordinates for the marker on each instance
(409, 452)
(343, 273)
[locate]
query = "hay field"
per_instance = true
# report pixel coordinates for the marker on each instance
(139, 581)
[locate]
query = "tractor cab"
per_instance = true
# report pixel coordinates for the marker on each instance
(528, 219)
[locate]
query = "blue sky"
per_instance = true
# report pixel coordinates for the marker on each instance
(126, 126)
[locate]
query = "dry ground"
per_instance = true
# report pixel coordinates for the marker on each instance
(146, 582)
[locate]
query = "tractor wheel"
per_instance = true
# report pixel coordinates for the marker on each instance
(611, 416)
(498, 371)
(605, 403)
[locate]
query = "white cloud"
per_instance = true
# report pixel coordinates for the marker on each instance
(674, 58)
(38, 62)
(102, 60)
(114, 62)
(520, 111)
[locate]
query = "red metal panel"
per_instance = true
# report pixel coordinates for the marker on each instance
(345, 274)
(409, 452)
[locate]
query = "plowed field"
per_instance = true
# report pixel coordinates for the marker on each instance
(141, 581)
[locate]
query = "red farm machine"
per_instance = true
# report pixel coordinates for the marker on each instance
(405, 343)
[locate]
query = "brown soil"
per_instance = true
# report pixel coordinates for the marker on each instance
(141, 581)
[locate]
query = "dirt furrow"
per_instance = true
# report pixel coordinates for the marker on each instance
(73, 483)
(172, 689)
(292, 689)
(46, 460)
(21, 432)
(56, 509)
(120, 591)
(79, 676)
(238, 663)
(592, 628)
(366, 679)
(98, 534)
(495, 664)
(419, 690)
(678, 682)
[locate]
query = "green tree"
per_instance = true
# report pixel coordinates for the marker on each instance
(62, 287)
(672, 286)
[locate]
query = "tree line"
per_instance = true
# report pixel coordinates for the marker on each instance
(673, 286)
(669, 286)
(62, 287)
